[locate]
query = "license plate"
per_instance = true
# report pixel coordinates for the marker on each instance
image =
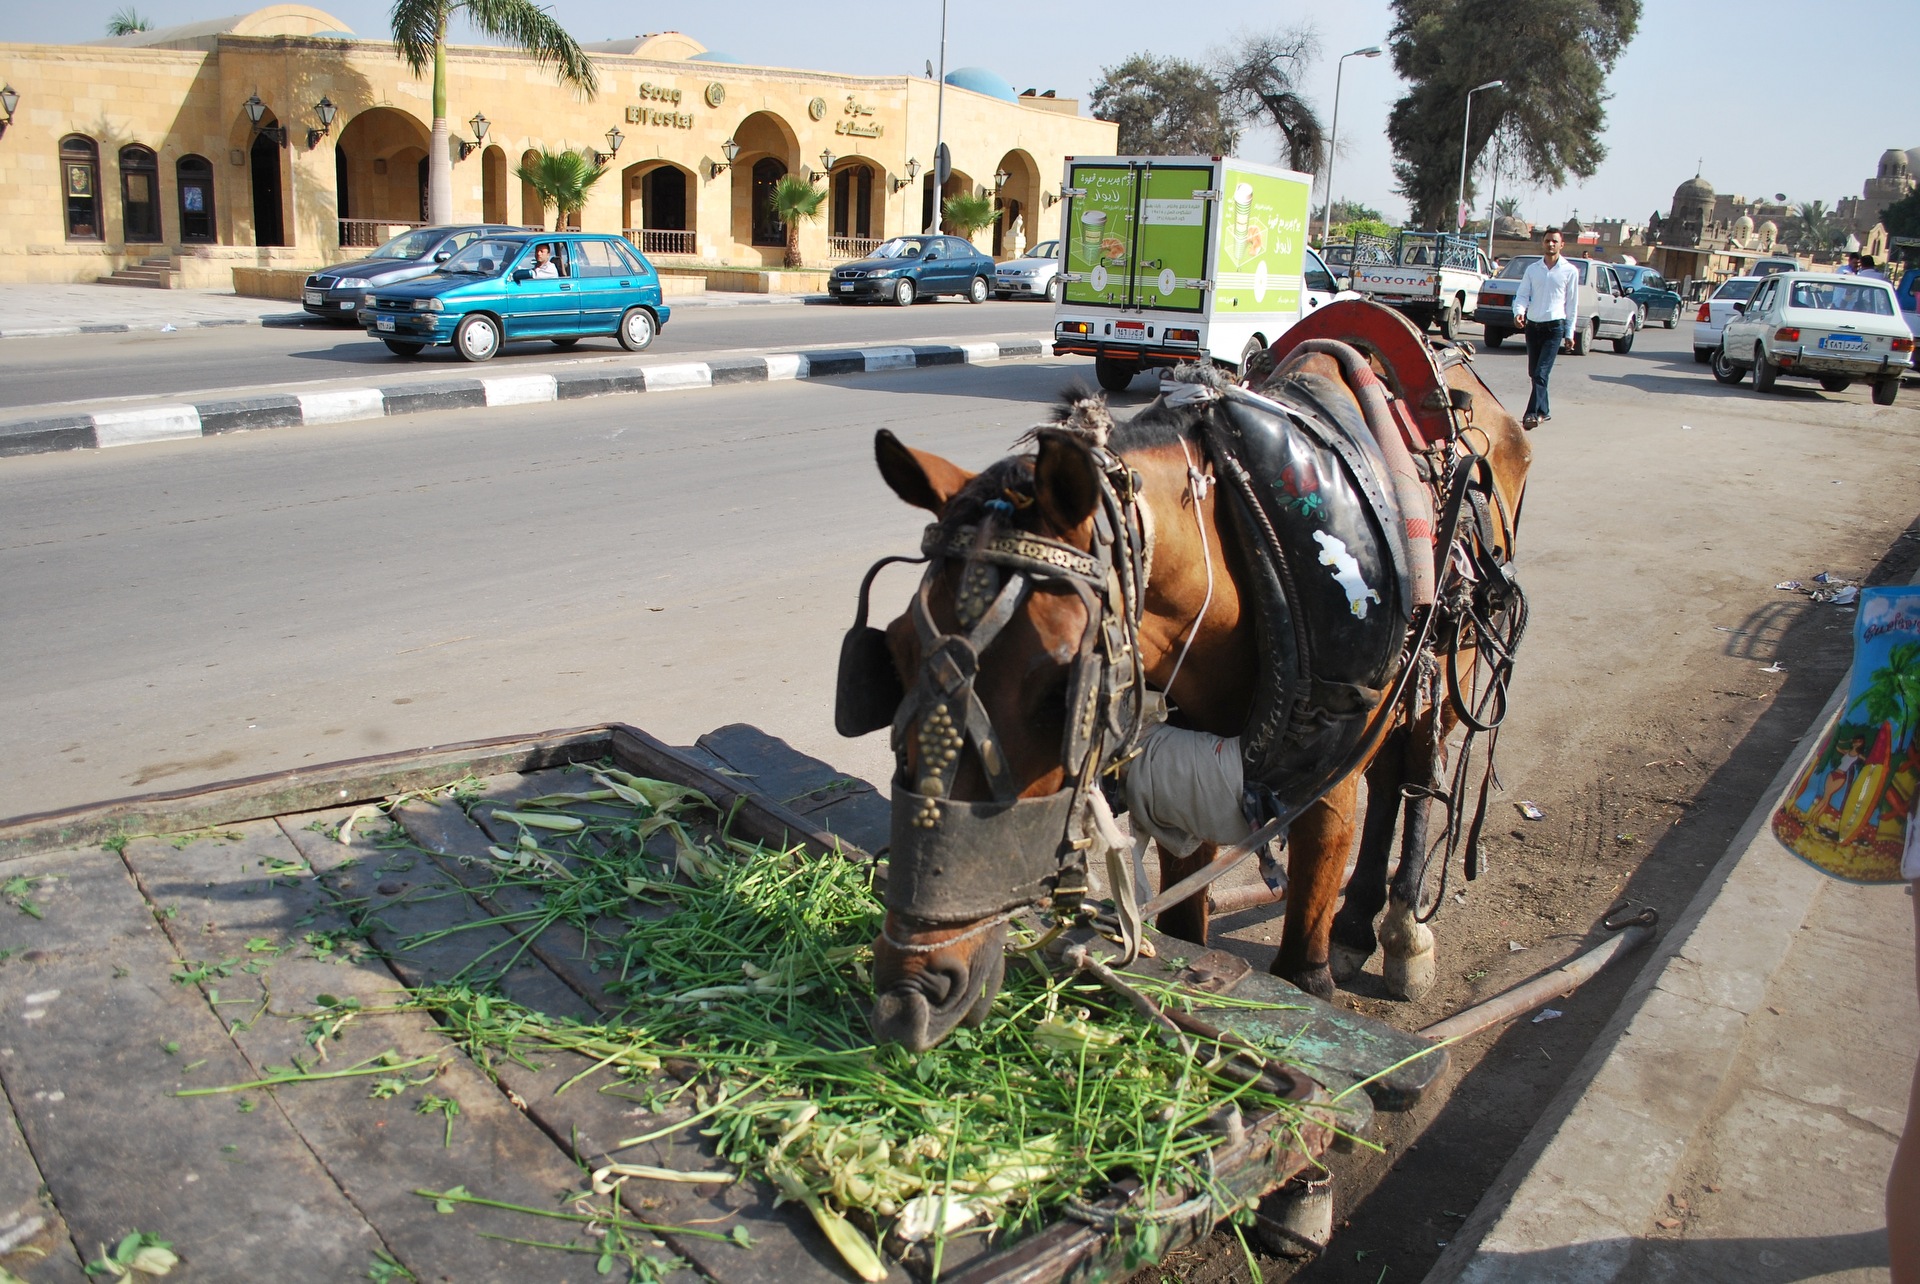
(1843, 343)
(1133, 329)
(316, 296)
(846, 287)
(385, 323)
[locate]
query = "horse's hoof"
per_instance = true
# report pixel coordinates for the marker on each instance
(1409, 976)
(1317, 981)
(1296, 1221)
(1347, 963)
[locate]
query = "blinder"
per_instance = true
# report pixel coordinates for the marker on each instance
(867, 688)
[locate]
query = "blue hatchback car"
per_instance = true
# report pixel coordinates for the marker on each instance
(503, 288)
(907, 268)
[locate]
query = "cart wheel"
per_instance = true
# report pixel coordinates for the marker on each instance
(478, 338)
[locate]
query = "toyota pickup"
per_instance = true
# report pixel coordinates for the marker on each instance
(1434, 279)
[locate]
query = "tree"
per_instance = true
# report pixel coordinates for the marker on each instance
(1816, 224)
(1260, 81)
(1554, 56)
(1165, 107)
(1902, 218)
(562, 180)
(966, 213)
(1349, 212)
(126, 21)
(420, 38)
(794, 201)
(1507, 207)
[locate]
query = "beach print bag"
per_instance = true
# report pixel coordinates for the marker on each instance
(1851, 811)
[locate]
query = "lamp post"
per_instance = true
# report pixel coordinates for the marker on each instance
(1371, 51)
(939, 127)
(1460, 204)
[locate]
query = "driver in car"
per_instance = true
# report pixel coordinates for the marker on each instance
(543, 264)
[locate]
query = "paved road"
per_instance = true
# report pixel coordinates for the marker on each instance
(88, 368)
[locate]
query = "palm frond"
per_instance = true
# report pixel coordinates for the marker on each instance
(528, 26)
(562, 180)
(967, 213)
(795, 200)
(127, 21)
(417, 25)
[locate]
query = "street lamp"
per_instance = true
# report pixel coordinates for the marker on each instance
(1000, 177)
(1326, 221)
(614, 138)
(730, 150)
(325, 110)
(912, 168)
(478, 124)
(255, 111)
(1460, 205)
(827, 158)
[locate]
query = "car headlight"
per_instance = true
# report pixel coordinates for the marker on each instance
(428, 305)
(352, 283)
(882, 272)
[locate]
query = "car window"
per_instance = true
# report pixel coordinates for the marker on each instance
(407, 245)
(457, 242)
(596, 258)
(1318, 278)
(1517, 268)
(1830, 296)
(488, 256)
(1045, 250)
(1739, 289)
(631, 257)
(1762, 300)
(956, 248)
(900, 247)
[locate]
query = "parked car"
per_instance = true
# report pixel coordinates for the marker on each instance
(1768, 267)
(1033, 275)
(337, 292)
(1818, 325)
(488, 294)
(1434, 279)
(1657, 300)
(1606, 310)
(908, 268)
(1339, 260)
(1716, 311)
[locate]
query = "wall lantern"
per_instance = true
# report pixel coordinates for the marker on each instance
(614, 139)
(1048, 200)
(326, 111)
(8, 101)
(729, 149)
(478, 124)
(255, 111)
(827, 159)
(1000, 177)
(913, 168)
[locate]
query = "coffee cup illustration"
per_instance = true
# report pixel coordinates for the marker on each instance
(1093, 230)
(1242, 211)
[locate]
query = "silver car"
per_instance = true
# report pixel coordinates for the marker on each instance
(1030, 276)
(1607, 308)
(337, 292)
(1715, 312)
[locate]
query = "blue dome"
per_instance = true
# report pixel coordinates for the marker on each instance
(982, 81)
(713, 55)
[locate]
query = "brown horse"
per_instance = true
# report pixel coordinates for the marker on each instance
(936, 971)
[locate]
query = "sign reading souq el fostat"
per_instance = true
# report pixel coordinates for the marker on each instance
(853, 124)
(644, 114)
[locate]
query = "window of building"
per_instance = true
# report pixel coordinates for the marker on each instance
(80, 180)
(853, 201)
(139, 193)
(194, 175)
(767, 227)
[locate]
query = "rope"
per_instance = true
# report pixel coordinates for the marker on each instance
(1198, 484)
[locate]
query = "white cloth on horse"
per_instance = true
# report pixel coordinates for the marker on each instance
(1184, 787)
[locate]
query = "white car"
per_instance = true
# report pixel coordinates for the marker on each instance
(1813, 325)
(1031, 275)
(1715, 312)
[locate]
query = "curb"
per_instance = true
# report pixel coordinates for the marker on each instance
(1594, 1172)
(174, 420)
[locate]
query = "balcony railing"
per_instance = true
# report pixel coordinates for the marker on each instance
(653, 240)
(367, 233)
(852, 247)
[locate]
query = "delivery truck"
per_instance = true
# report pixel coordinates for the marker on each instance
(1173, 258)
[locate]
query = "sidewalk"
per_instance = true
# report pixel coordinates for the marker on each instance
(1736, 1120)
(45, 311)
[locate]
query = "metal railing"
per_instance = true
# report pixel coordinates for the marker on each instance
(852, 247)
(367, 233)
(653, 240)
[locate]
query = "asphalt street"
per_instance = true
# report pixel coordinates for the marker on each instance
(93, 368)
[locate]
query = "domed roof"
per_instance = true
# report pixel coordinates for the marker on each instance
(1742, 225)
(1894, 161)
(713, 55)
(1770, 228)
(982, 81)
(1694, 189)
(1913, 159)
(1509, 226)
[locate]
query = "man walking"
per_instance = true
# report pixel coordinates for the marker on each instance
(1548, 306)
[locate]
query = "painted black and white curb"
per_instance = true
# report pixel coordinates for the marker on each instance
(171, 421)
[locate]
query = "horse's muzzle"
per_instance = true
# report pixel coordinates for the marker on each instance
(922, 994)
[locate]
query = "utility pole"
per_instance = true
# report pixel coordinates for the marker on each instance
(1466, 132)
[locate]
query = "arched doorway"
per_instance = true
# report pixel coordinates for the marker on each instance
(532, 212)
(80, 181)
(769, 150)
(493, 184)
(380, 167)
(139, 194)
(657, 207)
(194, 178)
(1017, 198)
(269, 224)
(853, 209)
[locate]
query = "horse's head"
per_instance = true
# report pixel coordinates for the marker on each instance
(1014, 678)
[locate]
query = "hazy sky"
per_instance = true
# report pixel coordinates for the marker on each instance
(1694, 87)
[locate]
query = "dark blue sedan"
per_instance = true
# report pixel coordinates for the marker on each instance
(1655, 299)
(908, 268)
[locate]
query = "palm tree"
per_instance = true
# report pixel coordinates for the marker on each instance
(967, 213)
(1507, 207)
(420, 37)
(1816, 223)
(1893, 692)
(794, 201)
(561, 180)
(127, 21)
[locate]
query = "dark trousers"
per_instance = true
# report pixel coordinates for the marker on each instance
(1543, 345)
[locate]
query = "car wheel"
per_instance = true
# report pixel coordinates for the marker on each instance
(1701, 356)
(1584, 341)
(903, 292)
(977, 291)
(1673, 320)
(1640, 316)
(1056, 291)
(1494, 336)
(564, 343)
(1764, 371)
(1114, 375)
(1885, 390)
(636, 330)
(1723, 368)
(1449, 320)
(478, 338)
(1625, 342)
(1835, 383)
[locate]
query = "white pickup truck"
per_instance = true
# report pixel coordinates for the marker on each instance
(1430, 277)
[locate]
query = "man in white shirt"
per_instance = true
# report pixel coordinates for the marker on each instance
(543, 265)
(1547, 306)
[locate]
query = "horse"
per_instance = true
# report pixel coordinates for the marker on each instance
(1068, 585)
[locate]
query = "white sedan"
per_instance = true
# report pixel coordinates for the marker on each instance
(1837, 329)
(1032, 274)
(1716, 312)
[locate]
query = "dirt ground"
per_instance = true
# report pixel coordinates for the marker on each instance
(1662, 682)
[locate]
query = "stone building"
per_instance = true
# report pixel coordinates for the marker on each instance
(1892, 180)
(279, 138)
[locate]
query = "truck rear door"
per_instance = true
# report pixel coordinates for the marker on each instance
(1137, 236)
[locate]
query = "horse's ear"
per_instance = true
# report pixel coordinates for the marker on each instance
(1065, 481)
(923, 480)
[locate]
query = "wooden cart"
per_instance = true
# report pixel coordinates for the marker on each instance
(145, 949)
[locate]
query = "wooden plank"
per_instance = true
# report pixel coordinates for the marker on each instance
(759, 816)
(98, 1040)
(34, 1243)
(843, 805)
(379, 1151)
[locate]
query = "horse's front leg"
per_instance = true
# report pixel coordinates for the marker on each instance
(1353, 938)
(1318, 845)
(1188, 920)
